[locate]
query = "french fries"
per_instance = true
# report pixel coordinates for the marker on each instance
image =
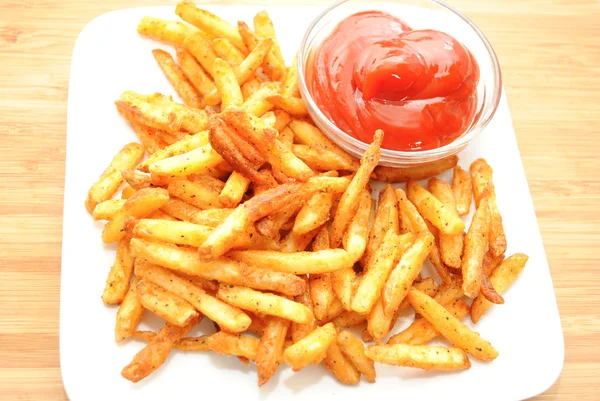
(312, 348)
(348, 202)
(268, 304)
(153, 355)
(246, 213)
(110, 180)
(450, 327)
(426, 357)
(501, 278)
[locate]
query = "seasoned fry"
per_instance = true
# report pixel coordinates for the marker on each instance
(314, 214)
(343, 282)
(228, 52)
(342, 369)
(442, 217)
(320, 285)
(355, 237)
(268, 304)
(335, 309)
(384, 259)
(354, 350)
(419, 172)
(198, 194)
(164, 304)
(209, 23)
(476, 242)
(129, 313)
(195, 73)
(141, 204)
(234, 190)
(173, 32)
(275, 66)
(231, 94)
(420, 332)
(501, 278)
(488, 291)
(462, 188)
(175, 75)
(451, 246)
(325, 261)
(289, 86)
(117, 283)
(294, 243)
(107, 209)
(222, 270)
(184, 344)
(270, 348)
(227, 317)
(321, 159)
(386, 217)
(426, 357)
(404, 274)
(301, 330)
(148, 135)
(257, 104)
(184, 145)
(152, 356)
(310, 349)
(450, 327)
(202, 51)
(110, 180)
(293, 105)
(348, 319)
(348, 202)
(482, 181)
(233, 344)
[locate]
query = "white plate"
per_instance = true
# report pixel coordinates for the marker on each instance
(110, 57)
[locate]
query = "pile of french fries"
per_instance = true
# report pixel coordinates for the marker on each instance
(244, 213)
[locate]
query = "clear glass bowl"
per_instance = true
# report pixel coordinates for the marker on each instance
(419, 14)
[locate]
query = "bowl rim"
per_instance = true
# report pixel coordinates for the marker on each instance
(392, 155)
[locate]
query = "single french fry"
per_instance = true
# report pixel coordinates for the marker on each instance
(289, 86)
(198, 194)
(184, 145)
(428, 357)
(270, 348)
(148, 135)
(450, 327)
(307, 134)
(410, 214)
(501, 278)
(348, 202)
(420, 331)
(210, 23)
(231, 94)
(354, 350)
(482, 180)
(222, 270)
(374, 279)
(419, 172)
(301, 330)
(462, 188)
(152, 356)
(233, 344)
(322, 159)
(451, 246)
(227, 317)
(184, 344)
(129, 313)
(343, 282)
(202, 51)
(251, 86)
(227, 51)
(194, 72)
(310, 349)
(111, 179)
(264, 28)
(294, 243)
(107, 209)
(234, 190)
(292, 105)
(141, 204)
(335, 309)
(180, 210)
(175, 75)
(356, 235)
(170, 307)
(325, 261)
(476, 242)
(320, 285)
(268, 304)
(117, 283)
(342, 369)
(386, 217)
(349, 319)
(173, 32)
(314, 214)
(442, 217)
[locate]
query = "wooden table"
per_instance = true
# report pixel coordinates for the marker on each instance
(550, 56)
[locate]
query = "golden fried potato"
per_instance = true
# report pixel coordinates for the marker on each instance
(270, 348)
(117, 283)
(300, 330)
(419, 172)
(310, 349)
(162, 303)
(313, 214)
(195, 73)
(354, 350)
(227, 51)
(342, 369)
(451, 246)
(173, 32)
(356, 235)
(202, 193)
(462, 188)
(325, 261)
(227, 85)
(476, 242)
(129, 313)
(233, 344)
(107, 209)
(386, 217)
(275, 67)
(184, 344)
(442, 217)
(175, 75)
(426, 357)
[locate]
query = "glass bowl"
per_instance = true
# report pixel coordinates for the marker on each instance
(419, 14)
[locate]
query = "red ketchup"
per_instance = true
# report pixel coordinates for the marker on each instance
(375, 72)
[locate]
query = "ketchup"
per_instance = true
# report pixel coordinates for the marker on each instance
(375, 72)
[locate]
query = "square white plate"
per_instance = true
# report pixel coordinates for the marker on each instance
(110, 57)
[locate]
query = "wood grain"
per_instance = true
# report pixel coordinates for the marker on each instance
(550, 56)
